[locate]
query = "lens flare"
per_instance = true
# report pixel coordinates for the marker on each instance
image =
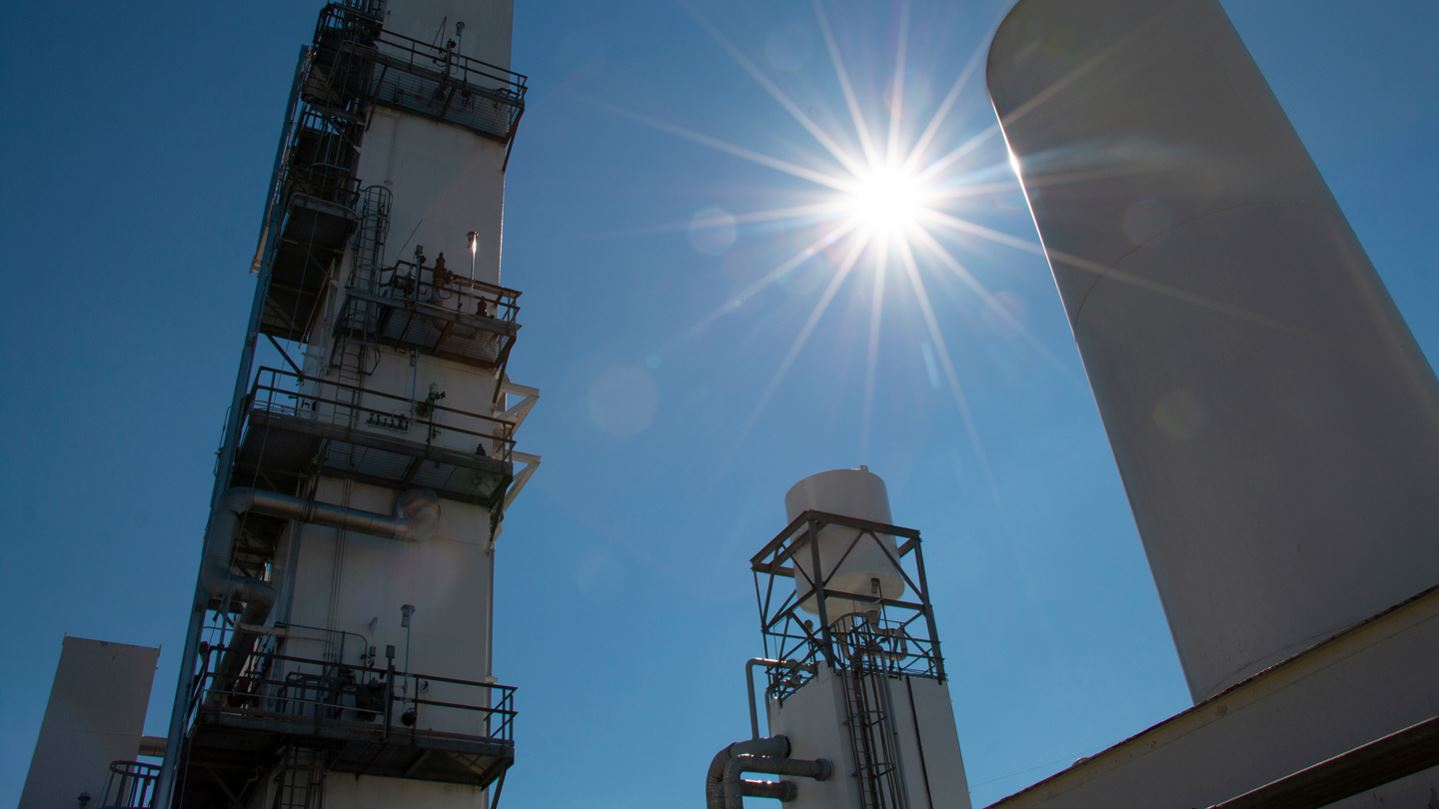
(887, 201)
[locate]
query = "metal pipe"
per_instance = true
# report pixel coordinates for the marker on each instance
(783, 791)
(215, 576)
(732, 784)
(714, 779)
(217, 581)
(749, 684)
(274, 504)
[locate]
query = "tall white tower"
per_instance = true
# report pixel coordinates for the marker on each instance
(1275, 423)
(340, 642)
(856, 693)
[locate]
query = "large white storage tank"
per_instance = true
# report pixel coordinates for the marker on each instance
(1275, 424)
(862, 568)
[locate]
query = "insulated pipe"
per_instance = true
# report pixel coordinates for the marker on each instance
(733, 785)
(777, 746)
(216, 578)
(299, 509)
(783, 791)
(259, 597)
(749, 684)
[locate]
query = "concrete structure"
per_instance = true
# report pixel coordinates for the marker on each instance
(1274, 422)
(343, 619)
(857, 698)
(95, 716)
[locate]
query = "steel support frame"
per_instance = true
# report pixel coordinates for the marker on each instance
(789, 635)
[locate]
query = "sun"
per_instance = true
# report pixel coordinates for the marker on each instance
(886, 201)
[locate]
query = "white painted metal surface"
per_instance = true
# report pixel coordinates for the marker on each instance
(446, 181)
(1377, 679)
(1275, 424)
(95, 716)
(931, 767)
(813, 720)
(853, 567)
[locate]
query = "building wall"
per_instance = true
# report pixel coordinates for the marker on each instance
(1375, 679)
(96, 715)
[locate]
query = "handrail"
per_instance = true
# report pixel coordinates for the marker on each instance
(449, 58)
(332, 19)
(376, 58)
(500, 302)
(323, 693)
(267, 389)
(131, 785)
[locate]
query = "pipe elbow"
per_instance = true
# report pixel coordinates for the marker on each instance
(715, 779)
(253, 591)
(238, 500)
(417, 515)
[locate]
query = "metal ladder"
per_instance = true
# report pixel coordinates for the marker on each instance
(300, 781)
(359, 319)
(370, 236)
(871, 737)
(351, 358)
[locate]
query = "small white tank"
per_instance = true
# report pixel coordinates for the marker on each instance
(856, 493)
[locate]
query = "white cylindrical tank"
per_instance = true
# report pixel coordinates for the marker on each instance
(853, 567)
(1275, 423)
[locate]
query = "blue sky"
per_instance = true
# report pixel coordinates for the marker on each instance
(136, 152)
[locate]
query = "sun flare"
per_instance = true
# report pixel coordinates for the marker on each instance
(887, 201)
